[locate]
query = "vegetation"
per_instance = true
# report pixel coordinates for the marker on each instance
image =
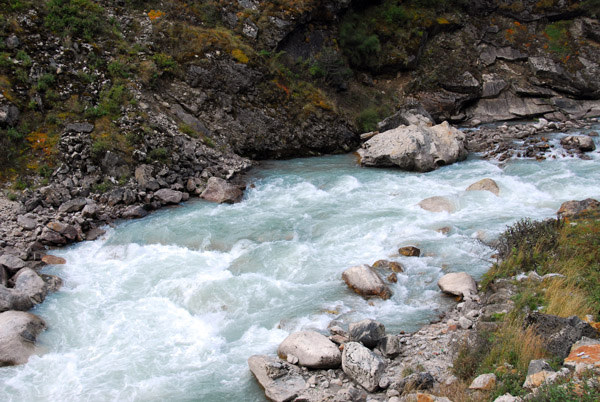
(79, 18)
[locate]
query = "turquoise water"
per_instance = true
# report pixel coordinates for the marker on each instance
(169, 308)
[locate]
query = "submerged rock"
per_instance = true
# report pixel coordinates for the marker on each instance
(220, 191)
(312, 350)
(409, 251)
(437, 204)
(364, 281)
(18, 333)
(485, 185)
(415, 148)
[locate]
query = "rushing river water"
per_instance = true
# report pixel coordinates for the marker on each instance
(169, 308)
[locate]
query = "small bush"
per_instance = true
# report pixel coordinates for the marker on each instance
(158, 154)
(79, 18)
(45, 81)
(367, 120)
(118, 70)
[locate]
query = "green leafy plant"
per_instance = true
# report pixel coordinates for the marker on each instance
(79, 18)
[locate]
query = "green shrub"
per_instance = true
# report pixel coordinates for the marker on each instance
(99, 148)
(118, 70)
(45, 81)
(24, 58)
(79, 18)
(361, 47)
(158, 154)
(367, 120)
(165, 63)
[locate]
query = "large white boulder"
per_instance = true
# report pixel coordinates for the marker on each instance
(312, 349)
(415, 147)
(362, 365)
(18, 333)
(458, 284)
(366, 282)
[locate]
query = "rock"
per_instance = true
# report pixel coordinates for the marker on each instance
(312, 349)
(18, 333)
(220, 191)
(68, 231)
(484, 382)
(458, 284)
(362, 365)
(421, 397)
(485, 185)
(464, 84)
(9, 115)
(12, 42)
(409, 251)
(437, 204)
(415, 148)
(134, 212)
(94, 234)
(507, 398)
(584, 355)
(80, 127)
(52, 238)
(390, 346)
(368, 332)
(391, 265)
(493, 85)
(53, 282)
(26, 223)
(559, 334)
(410, 114)
(281, 381)
(575, 209)
(74, 205)
(364, 281)
(465, 323)
(166, 196)
(143, 176)
(581, 143)
(28, 282)
(3, 276)
(416, 381)
(53, 260)
(12, 263)
(90, 210)
(537, 373)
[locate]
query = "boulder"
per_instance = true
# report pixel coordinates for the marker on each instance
(166, 196)
(574, 209)
(465, 83)
(362, 365)
(94, 234)
(390, 346)
(134, 212)
(9, 115)
(458, 284)
(584, 355)
(79, 127)
(538, 372)
(281, 381)
(220, 191)
(12, 263)
(18, 333)
(74, 205)
(364, 281)
(90, 210)
(410, 114)
(437, 204)
(26, 222)
(415, 148)
(391, 265)
(3, 276)
(53, 260)
(559, 334)
(28, 282)
(507, 398)
(484, 382)
(409, 251)
(312, 349)
(143, 176)
(368, 332)
(12, 299)
(415, 381)
(581, 143)
(485, 185)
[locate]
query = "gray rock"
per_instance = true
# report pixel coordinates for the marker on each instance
(81, 127)
(485, 185)
(312, 349)
(26, 223)
(581, 143)
(166, 196)
(364, 281)
(390, 346)
(362, 365)
(493, 85)
(94, 234)
(465, 323)
(12, 299)
(28, 282)
(559, 334)
(368, 332)
(437, 204)
(68, 231)
(18, 333)
(415, 148)
(464, 84)
(143, 176)
(9, 115)
(134, 212)
(12, 263)
(90, 210)
(507, 398)
(74, 205)
(484, 382)
(220, 191)
(458, 284)
(574, 209)
(281, 381)
(538, 372)
(52, 238)
(416, 381)
(3, 276)
(12, 42)
(410, 114)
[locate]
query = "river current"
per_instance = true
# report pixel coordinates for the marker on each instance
(170, 307)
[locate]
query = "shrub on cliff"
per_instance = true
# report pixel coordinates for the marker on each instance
(79, 18)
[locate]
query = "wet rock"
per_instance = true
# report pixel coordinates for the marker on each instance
(166, 196)
(437, 204)
(281, 381)
(53, 260)
(28, 282)
(391, 265)
(134, 212)
(458, 284)
(362, 365)
(559, 334)
(18, 333)
(581, 143)
(485, 185)
(53, 282)
(220, 191)
(12, 263)
(364, 281)
(313, 350)
(368, 332)
(484, 382)
(574, 209)
(74, 205)
(68, 231)
(409, 251)
(26, 222)
(94, 234)
(415, 148)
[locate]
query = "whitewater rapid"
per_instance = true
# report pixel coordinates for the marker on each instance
(169, 307)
